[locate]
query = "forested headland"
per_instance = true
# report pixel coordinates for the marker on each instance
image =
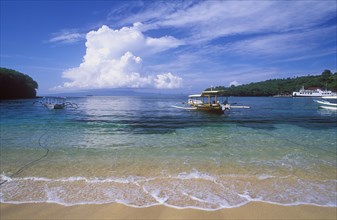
(326, 80)
(16, 85)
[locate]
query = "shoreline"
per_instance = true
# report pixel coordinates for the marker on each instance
(252, 210)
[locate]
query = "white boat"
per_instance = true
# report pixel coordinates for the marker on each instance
(313, 93)
(329, 107)
(323, 102)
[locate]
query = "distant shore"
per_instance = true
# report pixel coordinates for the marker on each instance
(254, 210)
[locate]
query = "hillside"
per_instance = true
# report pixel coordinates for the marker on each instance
(16, 85)
(282, 86)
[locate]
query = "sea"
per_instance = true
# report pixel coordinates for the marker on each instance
(140, 151)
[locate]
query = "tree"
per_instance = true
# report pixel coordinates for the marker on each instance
(326, 74)
(283, 86)
(16, 85)
(334, 81)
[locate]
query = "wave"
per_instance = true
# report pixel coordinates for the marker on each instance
(194, 189)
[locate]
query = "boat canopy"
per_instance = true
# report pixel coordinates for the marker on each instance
(194, 96)
(212, 93)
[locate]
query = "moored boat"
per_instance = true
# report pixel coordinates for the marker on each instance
(212, 101)
(56, 103)
(209, 101)
(316, 92)
(323, 102)
(330, 105)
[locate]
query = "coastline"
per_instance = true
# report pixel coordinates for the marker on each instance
(253, 210)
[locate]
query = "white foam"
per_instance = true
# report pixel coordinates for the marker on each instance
(265, 176)
(3, 177)
(43, 179)
(195, 175)
(196, 198)
(160, 199)
(164, 192)
(130, 179)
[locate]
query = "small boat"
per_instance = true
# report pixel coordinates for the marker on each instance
(330, 105)
(313, 93)
(208, 101)
(323, 102)
(56, 103)
(212, 101)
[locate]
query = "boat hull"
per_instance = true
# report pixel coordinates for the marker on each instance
(297, 94)
(326, 103)
(54, 106)
(329, 107)
(211, 109)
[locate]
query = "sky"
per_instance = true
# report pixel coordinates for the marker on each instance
(166, 46)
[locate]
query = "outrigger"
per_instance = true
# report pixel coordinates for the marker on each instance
(56, 103)
(212, 101)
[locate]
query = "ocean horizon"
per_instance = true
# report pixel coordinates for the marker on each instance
(140, 151)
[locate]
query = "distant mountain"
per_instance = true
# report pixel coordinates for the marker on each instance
(272, 87)
(16, 85)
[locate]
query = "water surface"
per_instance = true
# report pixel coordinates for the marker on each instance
(140, 151)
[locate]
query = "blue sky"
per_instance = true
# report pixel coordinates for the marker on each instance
(165, 46)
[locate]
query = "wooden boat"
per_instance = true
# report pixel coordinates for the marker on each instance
(212, 101)
(209, 101)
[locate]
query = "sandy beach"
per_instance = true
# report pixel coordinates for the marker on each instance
(255, 210)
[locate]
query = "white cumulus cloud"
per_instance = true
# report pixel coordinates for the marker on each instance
(112, 60)
(167, 81)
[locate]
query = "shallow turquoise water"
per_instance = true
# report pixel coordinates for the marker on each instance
(141, 152)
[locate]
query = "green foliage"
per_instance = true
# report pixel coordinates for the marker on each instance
(16, 85)
(326, 76)
(282, 86)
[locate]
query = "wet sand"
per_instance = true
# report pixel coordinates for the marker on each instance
(254, 210)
